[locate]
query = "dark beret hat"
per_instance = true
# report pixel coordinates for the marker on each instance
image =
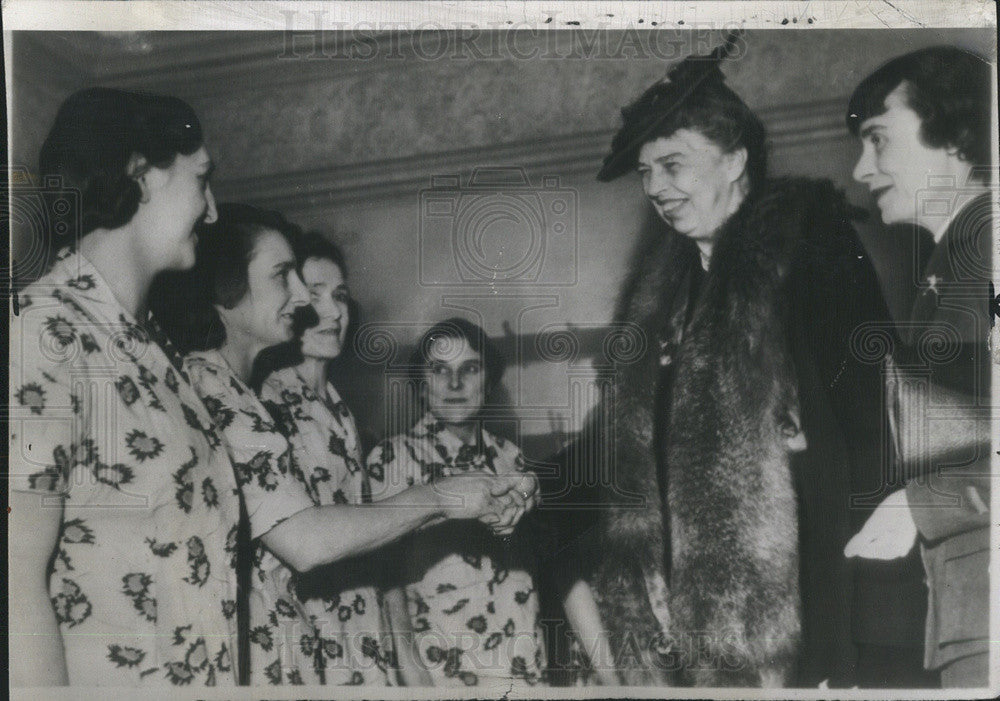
(642, 118)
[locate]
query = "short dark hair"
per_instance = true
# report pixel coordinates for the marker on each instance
(473, 334)
(95, 133)
(313, 244)
(713, 110)
(226, 246)
(947, 87)
(183, 302)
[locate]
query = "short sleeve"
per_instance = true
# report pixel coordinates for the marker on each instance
(392, 468)
(277, 408)
(261, 455)
(46, 421)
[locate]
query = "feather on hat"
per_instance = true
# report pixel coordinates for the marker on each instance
(661, 100)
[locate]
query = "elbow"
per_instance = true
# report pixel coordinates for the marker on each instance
(308, 540)
(288, 546)
(298, 560)
(301, 557)
(304, 554)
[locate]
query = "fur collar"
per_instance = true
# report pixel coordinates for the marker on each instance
(731, 558)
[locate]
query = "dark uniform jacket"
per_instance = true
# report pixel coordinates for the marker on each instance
(947, 359)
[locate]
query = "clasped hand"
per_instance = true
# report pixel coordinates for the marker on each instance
(499, 501)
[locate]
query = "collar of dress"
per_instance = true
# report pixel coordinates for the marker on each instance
(431, 427)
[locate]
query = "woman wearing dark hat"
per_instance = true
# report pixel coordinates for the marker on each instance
(742, 425)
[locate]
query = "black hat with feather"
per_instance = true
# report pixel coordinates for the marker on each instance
(645, 116)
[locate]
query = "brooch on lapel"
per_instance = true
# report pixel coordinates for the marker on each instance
(932, 284)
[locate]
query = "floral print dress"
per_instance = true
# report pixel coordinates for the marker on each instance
(340, 601)
(470, 594)
(285, 645)
(104, 420)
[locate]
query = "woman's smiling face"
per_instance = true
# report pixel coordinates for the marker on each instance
(329, 296)
(274, 290)
(896, 164)
(179, 198)
(691, 182)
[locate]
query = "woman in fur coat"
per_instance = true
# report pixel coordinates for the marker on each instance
(736, 438)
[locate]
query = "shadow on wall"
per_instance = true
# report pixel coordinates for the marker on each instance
(380, 395)
(372, 374)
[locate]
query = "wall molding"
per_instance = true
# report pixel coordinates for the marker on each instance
(567, 156)
(208, 63)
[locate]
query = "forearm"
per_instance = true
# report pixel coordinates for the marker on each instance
(584, 617)
(37, 657)
(326, 534)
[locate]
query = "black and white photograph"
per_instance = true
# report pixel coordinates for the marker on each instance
(517, 350)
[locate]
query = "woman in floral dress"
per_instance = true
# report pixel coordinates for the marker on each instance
(116, 475)
(341, 600)
(238, 300)
(466, 610)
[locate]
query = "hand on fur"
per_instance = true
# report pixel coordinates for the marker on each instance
(888, 533)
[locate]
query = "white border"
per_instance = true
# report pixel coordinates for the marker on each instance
(70, 15)
(179, 15)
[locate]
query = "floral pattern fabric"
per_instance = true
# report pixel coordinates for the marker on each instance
(470, 594)
(104, 420)
(341, 601)
(266, 475)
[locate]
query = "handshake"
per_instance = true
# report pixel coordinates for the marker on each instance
(498, 501)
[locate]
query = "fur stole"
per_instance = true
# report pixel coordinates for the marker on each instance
(727, 543)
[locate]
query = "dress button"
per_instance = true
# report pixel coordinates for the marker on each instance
(666, 359)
